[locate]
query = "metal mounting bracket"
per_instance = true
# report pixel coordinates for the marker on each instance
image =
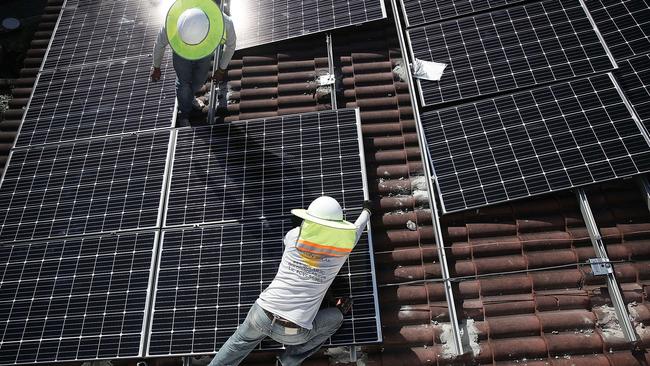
(600, 267)
(353, 354)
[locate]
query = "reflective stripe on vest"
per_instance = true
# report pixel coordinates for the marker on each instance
(324, 240)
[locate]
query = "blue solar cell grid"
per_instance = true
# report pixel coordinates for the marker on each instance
(74, 299)
(263, 21)
(98, 100)
(85, 187)
(426, 11)
(532, 142)
(264, 168)
(633, 75)
(96, 31)
(512, 48)
(624, 24)
(210, 277)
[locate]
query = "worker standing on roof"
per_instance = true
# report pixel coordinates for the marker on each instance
(194, 29)
(288, 310)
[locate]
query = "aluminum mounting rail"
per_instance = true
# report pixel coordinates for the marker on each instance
(601, 256)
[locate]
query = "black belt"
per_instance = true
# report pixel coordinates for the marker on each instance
(279, 320)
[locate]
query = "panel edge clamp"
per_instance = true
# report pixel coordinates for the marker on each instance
(600, 266)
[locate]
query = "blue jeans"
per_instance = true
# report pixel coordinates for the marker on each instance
(298, 346)
(190, 77)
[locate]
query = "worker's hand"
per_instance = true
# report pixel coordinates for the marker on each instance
(367, 205)
(218, 75)
(155, 73)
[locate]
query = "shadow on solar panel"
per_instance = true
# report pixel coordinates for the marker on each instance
(264, 168)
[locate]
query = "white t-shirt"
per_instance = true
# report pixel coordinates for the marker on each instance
(302, 280)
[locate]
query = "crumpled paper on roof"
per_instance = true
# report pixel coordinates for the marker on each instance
(428, 70)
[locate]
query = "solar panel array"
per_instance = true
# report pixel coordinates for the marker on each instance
(81, 198)
(498, 138)
(88, 186)
(81, 298)
(263, 21)
(418, 12)
(96, 31)
(210, 277)
(242, 180)
(264, 168)
(534, 142)
(517, 47)
(98, 100)
(625, 25)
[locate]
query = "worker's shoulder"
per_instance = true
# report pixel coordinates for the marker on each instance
(291, 236)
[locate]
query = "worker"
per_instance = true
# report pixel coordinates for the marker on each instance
(194, 28)
(288, 309)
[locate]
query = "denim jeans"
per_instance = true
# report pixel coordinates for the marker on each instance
(190, 77)
(298, 346)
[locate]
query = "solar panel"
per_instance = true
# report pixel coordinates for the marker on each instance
(265, 167)
(533, 142)
(94, 31)
(263, 21)
(634, 77)
(625, 25)
(508, 49)
(89, 186)
(426, 11)
(97, 100)
(209, 278)
(74, 299)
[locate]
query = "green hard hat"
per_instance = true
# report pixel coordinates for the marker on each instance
(194, 28)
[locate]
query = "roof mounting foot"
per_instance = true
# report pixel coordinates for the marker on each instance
(353, 354)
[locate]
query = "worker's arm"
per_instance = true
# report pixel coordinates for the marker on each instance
(228, 49)
(363, 218)
(158, 52)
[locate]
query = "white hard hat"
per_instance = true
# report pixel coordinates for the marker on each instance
(193, 26)
(324, 210)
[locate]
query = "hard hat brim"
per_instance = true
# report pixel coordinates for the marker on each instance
(303, 214)
(216, 33)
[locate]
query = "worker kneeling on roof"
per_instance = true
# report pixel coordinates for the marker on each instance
(194, 29)
(288, 310)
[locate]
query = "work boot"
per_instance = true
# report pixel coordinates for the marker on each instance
(197, 104)
(344, 304)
